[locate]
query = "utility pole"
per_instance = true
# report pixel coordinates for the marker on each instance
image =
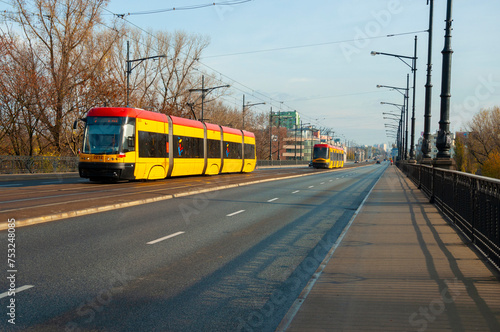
(414, 69)
(130, 68)
(204, 93)
(279, 124)
(271, 135)
(245, 106)
(301, 143)
(295, 141)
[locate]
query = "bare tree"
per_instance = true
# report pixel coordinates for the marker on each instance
(22, 98)
(60, 32)
(164, 84)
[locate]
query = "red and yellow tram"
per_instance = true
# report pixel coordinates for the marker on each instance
(133, 144)
(328, 156)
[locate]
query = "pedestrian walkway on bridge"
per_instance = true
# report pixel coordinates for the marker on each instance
(400, 267)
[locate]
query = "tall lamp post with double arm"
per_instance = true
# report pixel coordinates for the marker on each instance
(400, 117)
(413, 66)
(404, 114)
(130, 68)
(247, 105)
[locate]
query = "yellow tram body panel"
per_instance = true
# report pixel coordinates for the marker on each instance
(187, 145)
(214, 149)
(232, 150)
(250, 159)
(149, 166)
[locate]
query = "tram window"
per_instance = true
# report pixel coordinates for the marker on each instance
(129, 136)
(213, 148)
(232, 150)
(249, 151)
(188, 147)
(103, 135)
(152, 145)
(320, 152)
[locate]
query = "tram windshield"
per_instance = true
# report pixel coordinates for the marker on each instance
(109, 135)
(320, 152)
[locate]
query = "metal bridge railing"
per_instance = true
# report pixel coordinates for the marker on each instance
(281, 162)
(471, 202)
(48, 164)
(37, 164)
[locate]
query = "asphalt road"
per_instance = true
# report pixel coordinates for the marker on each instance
(228, 260)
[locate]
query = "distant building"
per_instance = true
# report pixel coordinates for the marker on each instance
(359, 155)
(434, 149)
(288, 120)
(299, 147)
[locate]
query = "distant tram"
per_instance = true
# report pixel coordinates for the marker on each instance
(328, 156)
(134, 144)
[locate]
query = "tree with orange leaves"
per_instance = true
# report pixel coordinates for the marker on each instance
(483, 142)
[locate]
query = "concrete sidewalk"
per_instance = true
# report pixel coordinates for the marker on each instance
(401, 267)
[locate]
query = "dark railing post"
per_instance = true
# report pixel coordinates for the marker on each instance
(454, 197)
(433, 180)
(419, 183)
(473, 193)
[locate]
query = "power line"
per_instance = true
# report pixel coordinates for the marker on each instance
(190, 7)
(311, 45)
(332, 96)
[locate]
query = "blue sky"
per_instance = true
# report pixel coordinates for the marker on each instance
(334, 84)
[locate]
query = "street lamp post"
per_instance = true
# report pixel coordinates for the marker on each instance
(400, 140)
(271, 134)
(204, 91)
(413, 67)
(243, 109)
(404, 116)
(426, 142)
(443, 140)
(303, 154)
(130, 68)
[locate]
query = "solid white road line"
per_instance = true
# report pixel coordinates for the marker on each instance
(17, 290)
(273, 199)
(235, 213)
(165, 237)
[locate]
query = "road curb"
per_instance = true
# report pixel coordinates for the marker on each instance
(111, 207)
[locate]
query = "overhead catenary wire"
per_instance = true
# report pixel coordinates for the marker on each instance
(189, 7)
(312, 45)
